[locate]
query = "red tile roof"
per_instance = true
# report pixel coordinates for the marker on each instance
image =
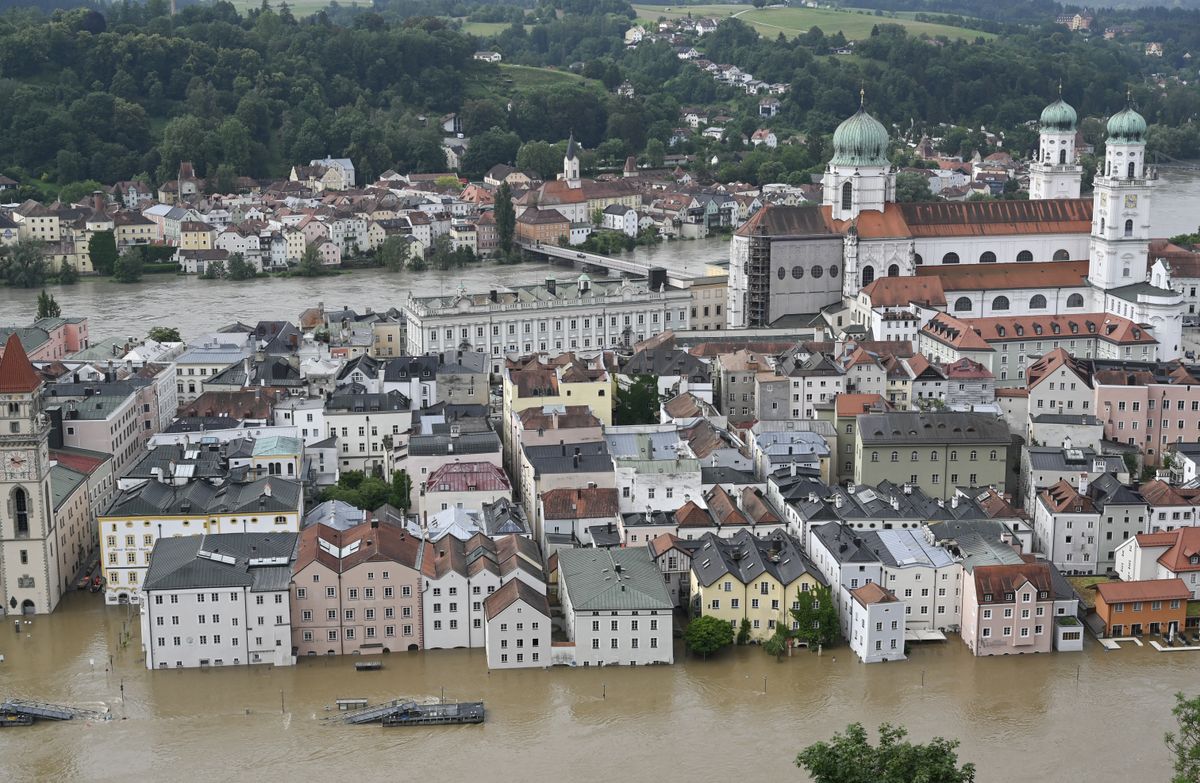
(988, 277)
(967, 370)
(856, 404)
(925, 290)
(1182, 546)
(17, 375)
(1064, 499)
(997, 580)
(986, 218)
(871, 593)
(468, 477)
(1146, 590)
(515, 590)
(591, 503)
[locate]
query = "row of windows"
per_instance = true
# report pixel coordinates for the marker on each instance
(1037, 302)
(815, 272)
(988, 257)
(933, 456)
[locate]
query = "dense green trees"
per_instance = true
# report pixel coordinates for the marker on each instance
(706, 635)
(815, 617)
(506, 217)
(164, 334)
(639, 403)
(371, 492)
(851, 758)
(46, 306)
(22, 265)
(102, 249)
(1184, 744)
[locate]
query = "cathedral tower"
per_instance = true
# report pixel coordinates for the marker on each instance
(1056, 173)
(1121, 206)
(859, 177)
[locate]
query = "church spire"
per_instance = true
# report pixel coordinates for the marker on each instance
(16, 371)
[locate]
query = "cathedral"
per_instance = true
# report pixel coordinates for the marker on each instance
(1054, 254)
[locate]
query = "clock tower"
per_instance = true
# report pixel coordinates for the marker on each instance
(30, 574)
(1121, 206)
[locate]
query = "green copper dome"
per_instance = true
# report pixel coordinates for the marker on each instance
(1127, 125)
(860, 141)
(1059, 115)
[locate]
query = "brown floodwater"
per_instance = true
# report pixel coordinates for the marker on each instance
(1096, 715)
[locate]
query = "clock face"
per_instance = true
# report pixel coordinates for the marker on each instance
(18, 465)
(1131, 201)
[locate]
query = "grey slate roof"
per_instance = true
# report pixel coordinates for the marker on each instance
(667, 361)
(889, 428)
(1078, 460)
(337, 514)
(612, 580)
(726, 475)
(593, 458)
(1066, 418)
(367, 403)
(504, 518)
(445, 444)
(746, 557)
(846, 545)
(185, 562)
(200, 497)
(63, 482)
(1107, 490)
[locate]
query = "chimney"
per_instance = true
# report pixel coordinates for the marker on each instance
(1083, 483)
(267, 489)
(837, 501)
(954, 502)
(575, 460)
(793, 469)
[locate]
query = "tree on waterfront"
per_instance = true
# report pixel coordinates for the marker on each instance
(743, 634)
(164, 334)
(129, 267)
(239, 268)
(393, 253)
(213, 270)
(102, 250)
(1185, 744)
(46, 306)
(639, 403)
(67, 273)
(815, 616)
(851, 758)
(310, 263)
(777, 644)
(506, 217)
(706, 635)
(22, 265)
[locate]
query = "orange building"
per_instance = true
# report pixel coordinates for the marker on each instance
(542, 225)
(1154, 606)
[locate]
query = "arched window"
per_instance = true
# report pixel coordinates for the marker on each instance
(1025, 256)
(895, 456)
(21, 511)
(917, 259)
(1038, 302)
(988, 257)
(868, 276)
(950, 258)
(782, 273)
(1062, 255)
(1075, 300)
(874, 456)
(962, 305)
(1000, 303)
(914, 456)
(1131, 169)
(894, 270)
(1103, 223)
(954, 456)
(974, 455)
(847, 195)
(1128, 228)
(1062, 157)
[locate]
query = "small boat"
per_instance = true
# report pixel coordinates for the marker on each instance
(97, 584)
(10, 719)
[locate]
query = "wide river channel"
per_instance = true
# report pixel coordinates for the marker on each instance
(197, 307)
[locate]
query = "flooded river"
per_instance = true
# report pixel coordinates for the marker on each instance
(197, 306)
(1091, 716)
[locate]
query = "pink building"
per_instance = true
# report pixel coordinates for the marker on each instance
(357, 591)
(50, 339)
(1008, 609)
(1149, 406)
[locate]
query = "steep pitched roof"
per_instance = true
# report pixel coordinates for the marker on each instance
(17, 375)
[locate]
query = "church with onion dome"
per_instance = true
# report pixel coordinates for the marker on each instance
(867, 266)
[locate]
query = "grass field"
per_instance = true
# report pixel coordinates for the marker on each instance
(794, 21)
(526, 76)
(298, 7)
(484, 29)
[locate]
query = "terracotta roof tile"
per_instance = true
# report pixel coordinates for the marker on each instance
(855, 404)
(986, 277)
(17, 375)
(591, 503)
(1146, 590)
(997, 580)
(925, 290)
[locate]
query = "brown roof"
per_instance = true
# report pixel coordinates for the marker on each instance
(590, 503)
(570, 417)
(703, 438)
(663, 543)
(17, 375)
(755, 506)
(855, 404)
(1063, 498)
(872, 224)
(684, 406)
(871, 593)
(986, 277)
(900, 291)
(984, 218)
(996, 580)
(692, 515)
(718, 349)
(1159, 493)
(1146, 590)
(247, 404)
(535, 216)
(723, 508)
(1051, 362)
(386, 543)
(467, 477)
(785, 221)
(510, 593)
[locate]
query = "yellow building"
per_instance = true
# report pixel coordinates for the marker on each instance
(133, 229)
(747, 577)
(195, 235)
(537, 381)
(387, 338)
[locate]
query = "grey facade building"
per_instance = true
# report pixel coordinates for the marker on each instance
(934, 451)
